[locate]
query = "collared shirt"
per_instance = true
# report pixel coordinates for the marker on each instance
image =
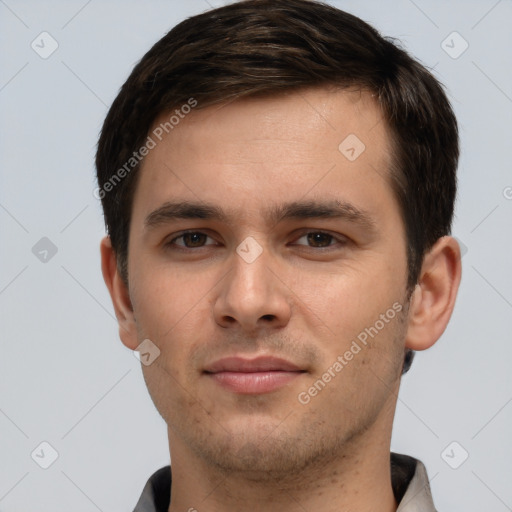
(408, 478)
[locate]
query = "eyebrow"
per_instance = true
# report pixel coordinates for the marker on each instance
(297, 210)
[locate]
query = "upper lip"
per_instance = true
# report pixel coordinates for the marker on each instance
(257, 364)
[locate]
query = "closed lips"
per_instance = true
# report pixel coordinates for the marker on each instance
(259, 364)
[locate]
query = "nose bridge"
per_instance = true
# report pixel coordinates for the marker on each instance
(250, 276)
(251, 294)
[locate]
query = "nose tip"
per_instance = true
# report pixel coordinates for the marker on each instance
(251, 297)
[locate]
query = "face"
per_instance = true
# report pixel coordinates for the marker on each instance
(267, 262)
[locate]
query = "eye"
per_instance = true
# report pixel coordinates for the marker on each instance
(191, 240)
(319, 239)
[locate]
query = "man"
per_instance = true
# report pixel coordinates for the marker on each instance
(278, 183)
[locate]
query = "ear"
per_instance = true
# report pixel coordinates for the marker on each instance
(433, 299)
(119, 295)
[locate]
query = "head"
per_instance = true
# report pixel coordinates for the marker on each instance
(243, 109)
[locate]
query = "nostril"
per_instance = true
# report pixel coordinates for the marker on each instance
(268, 317)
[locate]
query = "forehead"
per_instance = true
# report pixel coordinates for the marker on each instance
(308, 116)
(253, 152)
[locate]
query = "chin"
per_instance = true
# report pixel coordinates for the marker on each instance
(263, 450)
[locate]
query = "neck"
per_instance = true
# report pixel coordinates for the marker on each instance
(356, 477)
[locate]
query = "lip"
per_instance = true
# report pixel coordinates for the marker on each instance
(252, 376)
(257, 364)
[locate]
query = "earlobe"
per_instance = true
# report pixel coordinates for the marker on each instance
(119, 295)
(433, 298)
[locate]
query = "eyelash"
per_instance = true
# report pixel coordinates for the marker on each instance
(340, 239)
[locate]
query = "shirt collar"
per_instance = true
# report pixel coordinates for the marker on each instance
(408, 478)
(417, 496)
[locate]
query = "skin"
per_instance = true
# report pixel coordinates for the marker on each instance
(304, 299)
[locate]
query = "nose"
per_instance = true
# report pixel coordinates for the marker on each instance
(252, 296)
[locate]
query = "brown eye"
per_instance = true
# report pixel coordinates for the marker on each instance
(194, 239)
(319, 239)
(190, 240)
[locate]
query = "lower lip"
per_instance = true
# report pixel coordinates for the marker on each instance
(254, 382)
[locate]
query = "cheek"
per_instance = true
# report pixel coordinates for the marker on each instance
(349, 299)
(166, 300)
(360, 367)
(173, 310)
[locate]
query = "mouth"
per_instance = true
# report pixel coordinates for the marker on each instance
(252, 376)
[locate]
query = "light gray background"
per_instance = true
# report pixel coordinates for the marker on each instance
(65, 378)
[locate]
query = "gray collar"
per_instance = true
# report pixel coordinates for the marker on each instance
(408, 478)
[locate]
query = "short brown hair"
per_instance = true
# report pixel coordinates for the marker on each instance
(256, 47)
